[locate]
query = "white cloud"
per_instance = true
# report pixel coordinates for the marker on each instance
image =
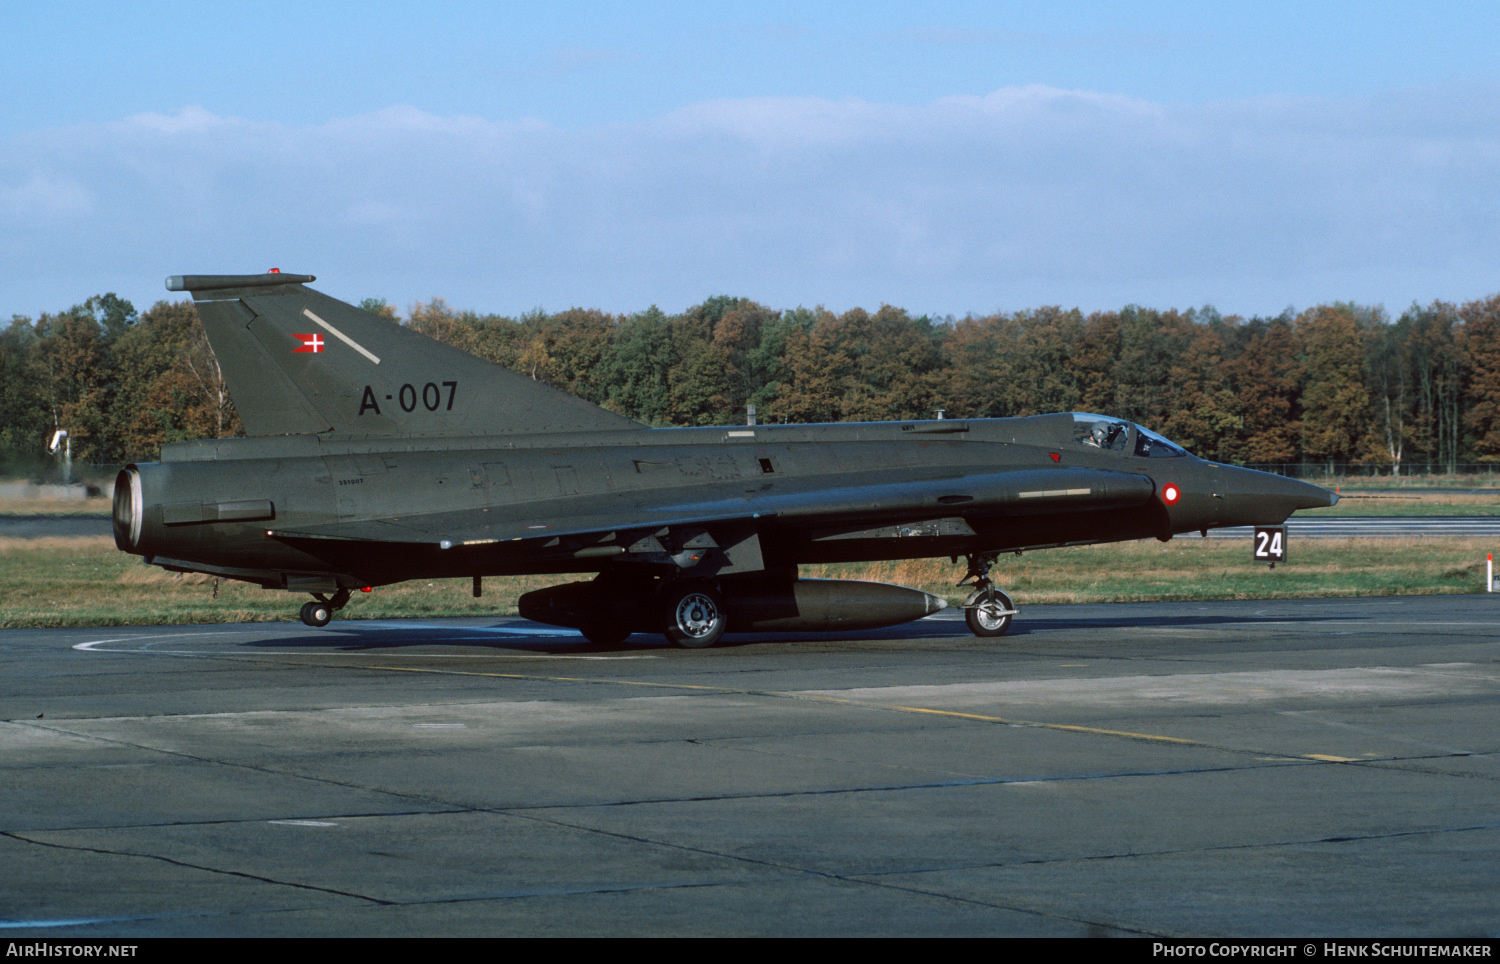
(189, 119)
(1024, 196)
(43, 199)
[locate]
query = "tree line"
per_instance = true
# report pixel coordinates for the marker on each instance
(1337, 383)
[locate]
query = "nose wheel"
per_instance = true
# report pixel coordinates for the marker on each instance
(987, 610)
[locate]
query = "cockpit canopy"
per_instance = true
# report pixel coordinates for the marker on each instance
(1113, 434)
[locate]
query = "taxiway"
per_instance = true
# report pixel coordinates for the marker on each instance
(1315, 767)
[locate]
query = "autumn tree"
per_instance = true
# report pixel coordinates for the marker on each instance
(820, 369)
(169, 387)
(1093, 361)
(977, 366)
(1479, 341)
(1336, 383)
(1041, 374)
(896, 360)
(1431, 357)
(441, 323)
(25, 411)
(1335, 402)
(1203, 413)
(77, 382)
(635, 366)
(1265, 374)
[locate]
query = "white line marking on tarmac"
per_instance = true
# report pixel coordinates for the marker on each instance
(91, 646)
(495, 631)
(149, 647)
(67, 922)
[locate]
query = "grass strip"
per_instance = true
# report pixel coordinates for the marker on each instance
(85, 581)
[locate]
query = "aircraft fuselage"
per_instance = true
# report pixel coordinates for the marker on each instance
(1016, 484)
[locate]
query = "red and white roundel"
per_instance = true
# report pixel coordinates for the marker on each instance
(1170, 493)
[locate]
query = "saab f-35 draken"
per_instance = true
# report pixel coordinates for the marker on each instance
(376, 455)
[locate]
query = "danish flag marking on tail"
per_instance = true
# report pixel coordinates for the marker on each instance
(340, 336)
(312, 343)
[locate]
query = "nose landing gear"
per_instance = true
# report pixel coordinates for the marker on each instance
(987, 610)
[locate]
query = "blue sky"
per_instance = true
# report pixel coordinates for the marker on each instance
(949, 158)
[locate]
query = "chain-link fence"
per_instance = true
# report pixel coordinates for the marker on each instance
(1463, 473)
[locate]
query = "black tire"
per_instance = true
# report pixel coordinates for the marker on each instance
(692, 615)
(990, 613)
(605, 635)
(317, 613)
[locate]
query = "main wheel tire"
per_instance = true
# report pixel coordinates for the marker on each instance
(317, 613)
(694, 616)
(990, 615)
(601, 634)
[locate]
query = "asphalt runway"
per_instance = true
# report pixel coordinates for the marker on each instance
(1367, 527)
(44, 526)
(1286, 768)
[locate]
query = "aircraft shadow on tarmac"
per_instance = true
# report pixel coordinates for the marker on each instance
(530, 637)
(537, 638)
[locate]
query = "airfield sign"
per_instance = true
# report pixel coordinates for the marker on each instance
(1270, 544)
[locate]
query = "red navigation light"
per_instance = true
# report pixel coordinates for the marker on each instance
(274, 271)
(367, 589)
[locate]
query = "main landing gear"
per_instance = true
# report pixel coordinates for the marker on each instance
(689, 612)
(987, 610)
(693, 614)
(320, 611)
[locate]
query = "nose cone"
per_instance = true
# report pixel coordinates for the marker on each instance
(1260, 498)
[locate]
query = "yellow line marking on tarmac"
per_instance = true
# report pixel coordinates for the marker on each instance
(889, 707)
(558, 679)
(1048, 726)
(1125, 733)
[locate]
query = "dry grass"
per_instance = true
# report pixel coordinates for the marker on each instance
(1193, 568)
(86, 507)
(10, 545)
(85, 581)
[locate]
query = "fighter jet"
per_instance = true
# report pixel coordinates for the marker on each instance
(376, 455)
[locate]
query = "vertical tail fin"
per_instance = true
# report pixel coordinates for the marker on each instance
(297, 361)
